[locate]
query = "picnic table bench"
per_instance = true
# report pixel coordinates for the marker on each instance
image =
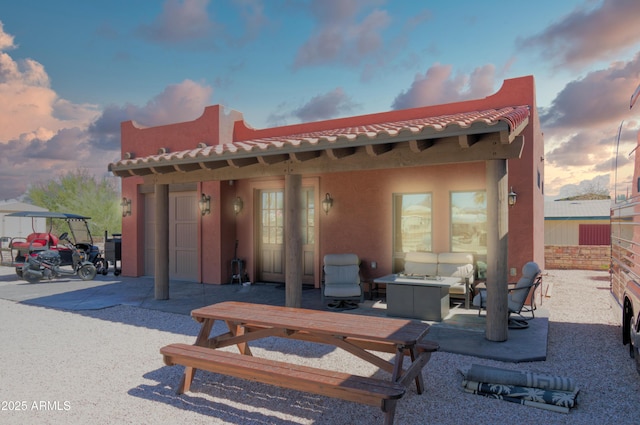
(359, 335)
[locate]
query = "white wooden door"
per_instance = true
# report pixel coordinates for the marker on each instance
(183, 236)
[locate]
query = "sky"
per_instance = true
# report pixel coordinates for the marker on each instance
(72, 70)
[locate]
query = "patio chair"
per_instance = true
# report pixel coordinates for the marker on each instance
(341, 281)
(517, 297)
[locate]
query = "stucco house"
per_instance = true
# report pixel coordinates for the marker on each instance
(434, 178)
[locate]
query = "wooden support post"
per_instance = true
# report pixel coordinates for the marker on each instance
(161, 268)
(497, 250)
(293, 240)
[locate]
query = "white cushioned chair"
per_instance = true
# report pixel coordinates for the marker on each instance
(341, 281)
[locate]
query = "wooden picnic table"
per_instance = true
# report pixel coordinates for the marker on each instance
(359, 335)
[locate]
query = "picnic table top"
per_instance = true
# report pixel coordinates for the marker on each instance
(391, 330)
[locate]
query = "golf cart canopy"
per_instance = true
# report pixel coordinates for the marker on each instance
(77, 223)
(46, 214)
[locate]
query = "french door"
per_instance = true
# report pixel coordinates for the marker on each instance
(271, 256)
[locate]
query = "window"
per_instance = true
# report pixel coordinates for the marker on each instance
(469, 222)
(412, 223)
(272, 216)
(308, 217)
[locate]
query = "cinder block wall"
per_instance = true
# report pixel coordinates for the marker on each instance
(577, 257)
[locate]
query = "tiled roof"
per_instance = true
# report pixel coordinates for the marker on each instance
(509, 119)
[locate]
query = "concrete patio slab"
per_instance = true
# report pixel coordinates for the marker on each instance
(462, 331)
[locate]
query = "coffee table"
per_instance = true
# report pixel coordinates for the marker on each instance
(418, 297)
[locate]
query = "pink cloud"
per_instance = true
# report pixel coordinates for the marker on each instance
(340, 35)
(600, 97)
(438, 85)
(6, 40)
(581, 124)
(42, 134)
(588, 35)
(177, 103)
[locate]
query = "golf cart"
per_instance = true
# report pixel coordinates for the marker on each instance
(45, 255)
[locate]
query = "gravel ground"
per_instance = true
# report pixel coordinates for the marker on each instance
(103, 366)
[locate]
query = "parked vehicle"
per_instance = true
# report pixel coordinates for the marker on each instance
(17, 252)
(48, 263)
(625, 242)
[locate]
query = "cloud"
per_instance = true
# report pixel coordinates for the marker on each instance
(254, 19)
(581, 125)
(438, 85)
(584, 148)
(42, 135)
(585, 36)
(598, 183)
(104, 132)
(177, 103)
(181, 21)
(340, 35)
(601, 97)
(280, 117)
(190, 24)
(42, 154)
(325, 106)
(28, 102)
(67, 145)
(6, 40)
(332, 104)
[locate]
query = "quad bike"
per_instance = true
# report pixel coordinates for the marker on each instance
(48, 263)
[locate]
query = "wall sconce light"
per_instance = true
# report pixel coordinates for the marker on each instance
(126, 207)
(327, 203)
(512, 197)
(205, 204)
(237, 205)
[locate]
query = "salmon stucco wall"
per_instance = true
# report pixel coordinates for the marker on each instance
(361, 218)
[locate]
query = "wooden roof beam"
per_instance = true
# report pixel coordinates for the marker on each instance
(418, 146)
(185, 168)
(272, 159)
(212, 165)
(377, 150)
(242, 162)
(339, 153)
(304, 156)
(140, 172)
(162, 169)
(467, 140)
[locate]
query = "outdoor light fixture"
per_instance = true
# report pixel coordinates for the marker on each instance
(237, 205)
(327, 203)
(126, 207)
(512, 197)
(205, 204)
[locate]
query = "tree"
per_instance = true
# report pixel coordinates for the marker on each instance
(596, 188)
(82, 193)
(588, 191)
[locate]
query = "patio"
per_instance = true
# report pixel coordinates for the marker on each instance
(462, 331)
